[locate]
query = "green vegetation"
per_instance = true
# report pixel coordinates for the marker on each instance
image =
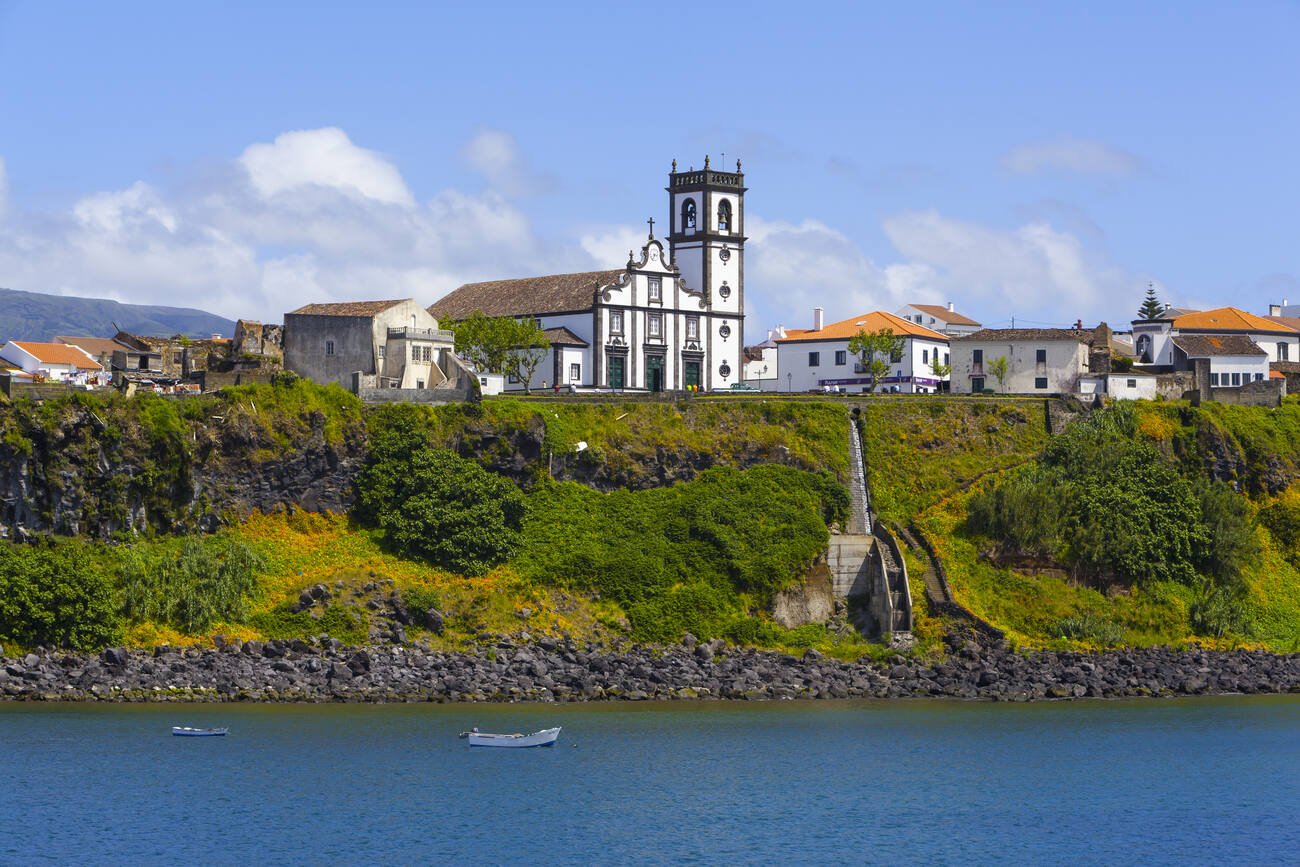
(692, 557)
(876, 349)
(55, 596)
(190, 587)
(920, 450)
(501, 344)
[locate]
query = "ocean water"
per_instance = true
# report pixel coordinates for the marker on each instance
(1194, 781)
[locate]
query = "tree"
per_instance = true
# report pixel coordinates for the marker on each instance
(876, 349)
(940, 370)
(433, 504)
(998, 367)
(1151, 307)
(485, 341)
(56, 596)
(527, 350)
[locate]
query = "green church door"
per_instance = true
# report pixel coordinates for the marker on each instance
(616, 380)
(691, 371)
(654, 372)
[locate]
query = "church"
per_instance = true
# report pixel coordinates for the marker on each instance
(671, 319)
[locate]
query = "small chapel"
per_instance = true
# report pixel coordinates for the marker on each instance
(671, 319)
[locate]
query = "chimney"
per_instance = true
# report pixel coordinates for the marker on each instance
(817, 318)
(949, 306)
(1275, 309)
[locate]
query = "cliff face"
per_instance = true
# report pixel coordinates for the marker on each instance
(79, 467)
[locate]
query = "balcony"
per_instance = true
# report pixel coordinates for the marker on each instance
(436, 334)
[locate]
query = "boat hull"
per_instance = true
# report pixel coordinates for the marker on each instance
(189, 732)
(543, 738)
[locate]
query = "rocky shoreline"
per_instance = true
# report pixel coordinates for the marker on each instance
(556, 671)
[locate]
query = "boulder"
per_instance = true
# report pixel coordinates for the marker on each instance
(433, 620)
(115, 656)
(339, 671)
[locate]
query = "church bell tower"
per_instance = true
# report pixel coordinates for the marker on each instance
(706, 239)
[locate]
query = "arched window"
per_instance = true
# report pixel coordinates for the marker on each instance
(1144, 349)
(724, 216)
(688, 215)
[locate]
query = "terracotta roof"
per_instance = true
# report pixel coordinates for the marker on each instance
(1276, 374)
(938, 311)
(1227, 319)
(564, 337)
(873, 321)
(58, 353)
(347, 308)
(557, 293)
(1292, 322)
(1027, 334)
(1207, 345)
(95, 346)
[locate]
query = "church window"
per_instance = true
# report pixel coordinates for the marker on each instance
(724, 216)
(688, 215)
(655, 326)
(692, 328)
(656, 289)
(329, 347)
(616, 322)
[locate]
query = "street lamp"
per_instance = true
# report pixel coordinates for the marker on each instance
(789, 383)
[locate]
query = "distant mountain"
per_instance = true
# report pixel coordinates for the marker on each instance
(33, 316)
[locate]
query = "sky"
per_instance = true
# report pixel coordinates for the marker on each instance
(1040, 161)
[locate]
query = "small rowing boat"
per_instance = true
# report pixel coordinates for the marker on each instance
(192, 732)
(543, 738)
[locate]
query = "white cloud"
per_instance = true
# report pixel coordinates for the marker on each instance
(1083, 156)
(495, 155)
(609, 246)
(325, 158)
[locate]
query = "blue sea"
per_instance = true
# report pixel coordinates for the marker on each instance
(1195, 781)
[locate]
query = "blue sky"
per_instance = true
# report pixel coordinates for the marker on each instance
(1026, 160)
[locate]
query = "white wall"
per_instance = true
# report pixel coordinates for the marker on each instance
(795, 373)
(1131, 386)
(1246, 368)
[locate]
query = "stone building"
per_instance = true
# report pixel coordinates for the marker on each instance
(671, 318)
(1039, 360)
(370, 345)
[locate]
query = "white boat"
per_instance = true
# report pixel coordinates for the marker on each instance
(543, 738)
(192, 732)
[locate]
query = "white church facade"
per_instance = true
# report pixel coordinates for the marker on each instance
(671, 319)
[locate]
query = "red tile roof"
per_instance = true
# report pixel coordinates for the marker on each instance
(943, 314)
(556, 293)
(1228, 319)
(877, 320)
(58, 353)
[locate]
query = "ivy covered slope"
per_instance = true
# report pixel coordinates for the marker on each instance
(164, 521)
(1145, 523)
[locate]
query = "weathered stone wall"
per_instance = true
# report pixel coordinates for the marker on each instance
(810, 601)
(1261, 392)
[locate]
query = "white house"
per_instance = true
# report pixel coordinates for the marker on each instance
(819, 357)
(1039, 360)
(1153, 338)
(56, 361)
(1234, 360)
(938, 317)
(762, 369)
(670, 319)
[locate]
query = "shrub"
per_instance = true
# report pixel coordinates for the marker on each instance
(56, 596)
(1090, 627)
(350, 627)
(204, 582)
(437, 506)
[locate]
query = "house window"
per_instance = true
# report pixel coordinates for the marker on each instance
(655, 326)
(616, 322)
(415, 352)
(945, 356)
(1236, 379)
(1214, 379)
(925, 356)
(428, 353)
(688, 215)
(724, 216)
(814, 359)
(841, 357)
(329, 347)
(656, 289)
(1258, 377)
(692, 328)
(977, 356)
(381, 351)
(1040, 382)
(575, 372)
(1283, 349)
(419, 383)
(1132, 383)
(976, 384)
(1040, 356)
